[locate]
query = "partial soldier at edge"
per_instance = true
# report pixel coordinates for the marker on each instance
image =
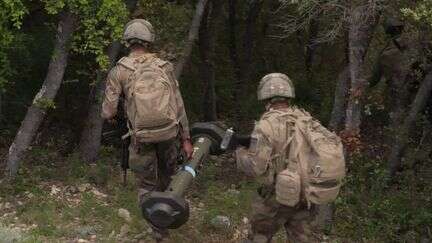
(299, 164)
(157, 121)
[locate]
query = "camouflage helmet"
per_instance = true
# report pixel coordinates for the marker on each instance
(139, 29)
(275, 85)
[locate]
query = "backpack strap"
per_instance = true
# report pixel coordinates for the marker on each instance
(127, 63)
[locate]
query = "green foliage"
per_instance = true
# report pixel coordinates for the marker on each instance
(100, 25)
(45, 103)
(11, 15)
(170, 21)
(101, 22)
(370, 210)
(421, 13)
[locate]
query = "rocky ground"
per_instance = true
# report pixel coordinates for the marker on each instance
(87, 203)
(61, 199)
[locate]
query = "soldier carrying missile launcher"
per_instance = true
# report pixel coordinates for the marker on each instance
(298, 162)
(157, 122)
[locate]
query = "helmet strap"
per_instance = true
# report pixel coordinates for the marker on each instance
(278, 103)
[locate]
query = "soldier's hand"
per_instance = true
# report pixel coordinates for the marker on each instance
(112, 121)
(187, 147)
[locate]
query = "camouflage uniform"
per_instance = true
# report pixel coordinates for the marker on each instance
(268, 215)
(397, 65)
(153, 163)
(269, 139)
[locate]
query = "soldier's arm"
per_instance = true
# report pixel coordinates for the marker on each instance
(112, 94)
(256, 160)
(181, 113)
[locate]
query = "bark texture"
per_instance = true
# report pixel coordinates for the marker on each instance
(401, 139)
(243, 65)
(91, 135)
(52, 83)
(362, 24)
(192, 37)
(340, 100)
(90, 140)
(207, 36)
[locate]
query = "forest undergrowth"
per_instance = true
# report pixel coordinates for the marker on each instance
(60, 199)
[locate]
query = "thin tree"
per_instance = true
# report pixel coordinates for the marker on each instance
(207, 37)
(192, 37)
(362, 22)
(242, 63)
(401, 139)
(90, 140)
(44, 98)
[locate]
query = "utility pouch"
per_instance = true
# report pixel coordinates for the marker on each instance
(288, 188)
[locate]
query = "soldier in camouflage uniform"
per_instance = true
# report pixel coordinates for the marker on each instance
(398, 64)
(152, 163)
(268, 139)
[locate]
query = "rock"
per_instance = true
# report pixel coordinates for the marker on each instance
(140, 236)
(98, 193)
(124, 230)
(93, 238)
(124, 214)
(84, 187)
(82, 241)
(233, 192)
(73, 189)
(54, 190)
(7, 205)
(221, 222)
(86, 231)
(245, 220)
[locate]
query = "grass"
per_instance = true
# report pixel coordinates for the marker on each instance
(47, 204)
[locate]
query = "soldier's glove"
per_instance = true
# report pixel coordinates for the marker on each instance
(187, 147)
(112, 121)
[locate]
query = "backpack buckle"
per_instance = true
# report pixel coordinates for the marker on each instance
(317, 170)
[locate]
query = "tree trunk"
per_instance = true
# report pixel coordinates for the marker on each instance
(53, 80)
(193, 34)
(402, 135)
(361, 27)
(311, 48)
(1, 106)
(340, 100)
(244, 66)
(207, 36)
(91, 135)
(232, 24)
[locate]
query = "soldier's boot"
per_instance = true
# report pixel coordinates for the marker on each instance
(301, 232)
(160, 235)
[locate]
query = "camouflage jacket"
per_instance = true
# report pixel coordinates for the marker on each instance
(118, 83)
(268, 141)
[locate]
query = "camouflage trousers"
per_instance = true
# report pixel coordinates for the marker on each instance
(268, 217)
(153, 165)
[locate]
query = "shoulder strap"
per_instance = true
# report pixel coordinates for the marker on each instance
(127, 63)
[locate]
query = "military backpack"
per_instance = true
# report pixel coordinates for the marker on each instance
(151, 105)
(311, 164)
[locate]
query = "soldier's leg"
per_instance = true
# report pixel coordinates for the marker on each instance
(167, 153)
(265, 221)
(302, 227)
(143, 162)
